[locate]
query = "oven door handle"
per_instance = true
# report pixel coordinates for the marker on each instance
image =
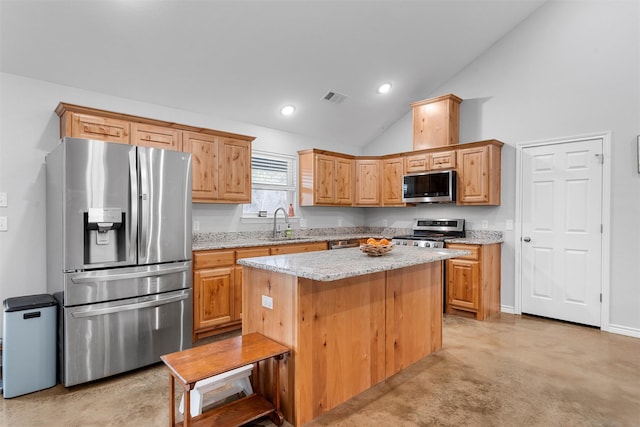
(136, 306)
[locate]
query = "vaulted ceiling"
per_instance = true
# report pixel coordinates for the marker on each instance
(243, 60)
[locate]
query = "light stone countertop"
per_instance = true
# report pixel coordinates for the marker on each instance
(208, 241)
(343, 263)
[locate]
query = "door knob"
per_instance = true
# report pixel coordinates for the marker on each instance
(527, 239)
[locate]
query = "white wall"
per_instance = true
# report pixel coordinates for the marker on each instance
(572, 68)
(29, 129)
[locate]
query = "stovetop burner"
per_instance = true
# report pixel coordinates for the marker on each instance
(431, 233)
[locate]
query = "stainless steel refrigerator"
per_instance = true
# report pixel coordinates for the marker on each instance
(118, 255)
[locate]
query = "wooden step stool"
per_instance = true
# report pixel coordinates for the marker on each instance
(190, 366)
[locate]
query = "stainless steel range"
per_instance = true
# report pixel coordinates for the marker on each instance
(431, 233)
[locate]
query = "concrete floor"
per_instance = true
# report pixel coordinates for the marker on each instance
(506, 371)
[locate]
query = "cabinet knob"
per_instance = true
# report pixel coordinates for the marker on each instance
(527, 239)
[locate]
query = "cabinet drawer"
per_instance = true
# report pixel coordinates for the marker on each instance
(101, 128)
(417, 163)
(252, 252)
(475, 250)
(208, 259)
(155, 136)
(302, 247)
(442, 160)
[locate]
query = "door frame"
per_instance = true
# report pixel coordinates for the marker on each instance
(606, 218)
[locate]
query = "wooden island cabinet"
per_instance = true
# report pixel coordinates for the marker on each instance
(350, 321)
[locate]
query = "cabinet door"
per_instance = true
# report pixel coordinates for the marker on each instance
(100, 128)
(479, 175)
(324, 179)
(237, 294)
(213, 297)
(155, 136)
(344, 181)
(392, 172)
(235, 170)
(368, 182)
(463, 281)
(204, 164)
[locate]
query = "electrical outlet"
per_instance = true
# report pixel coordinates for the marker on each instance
(3, 223)
(509, 224)
(385, 222)
(267, 302)
(485, 224)
(339, 222)
(303, 223)
(3, 199)
(196, 225)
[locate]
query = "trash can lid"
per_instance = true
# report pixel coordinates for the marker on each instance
(29, 302)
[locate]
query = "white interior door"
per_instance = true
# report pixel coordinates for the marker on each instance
(561, 245)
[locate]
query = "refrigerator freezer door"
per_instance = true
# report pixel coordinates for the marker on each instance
(110, 338)
(90, 287)
(165, 206)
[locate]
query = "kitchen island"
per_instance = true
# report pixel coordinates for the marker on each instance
(350, 320)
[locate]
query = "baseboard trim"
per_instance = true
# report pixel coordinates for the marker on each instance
(624, 330)
(507, 309)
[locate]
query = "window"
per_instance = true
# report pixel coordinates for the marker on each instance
(273, 178)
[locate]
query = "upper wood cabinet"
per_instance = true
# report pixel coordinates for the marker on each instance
(221, 161)
(436, 122)
(478, 170)
(155, 136)
(442, 160)
(392, 173)
(204, 165)
(425, 161)
(235, 170)
(368, 182)
(325, 178)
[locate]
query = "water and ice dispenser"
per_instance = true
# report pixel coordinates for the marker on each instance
(104, 235)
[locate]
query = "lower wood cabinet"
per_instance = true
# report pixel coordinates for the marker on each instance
(473, 281)
(217, 285)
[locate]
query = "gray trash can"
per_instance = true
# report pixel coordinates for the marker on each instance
(29, 344)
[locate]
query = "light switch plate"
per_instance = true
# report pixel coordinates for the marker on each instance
(3, 223)
(3, 200)
(485, 224)
(267, 302)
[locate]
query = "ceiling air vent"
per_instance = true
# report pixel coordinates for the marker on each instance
(334, 97)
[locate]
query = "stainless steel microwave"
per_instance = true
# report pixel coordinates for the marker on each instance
(429, 187)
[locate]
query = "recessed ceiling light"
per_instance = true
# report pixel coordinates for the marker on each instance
(384, 88)
(287, 110)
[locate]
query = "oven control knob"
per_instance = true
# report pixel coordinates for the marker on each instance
(415, 244)
(427, 244)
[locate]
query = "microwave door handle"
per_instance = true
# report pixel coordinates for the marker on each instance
(133, 208)
(144, 204)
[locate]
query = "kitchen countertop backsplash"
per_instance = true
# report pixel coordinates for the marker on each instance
(221, 240)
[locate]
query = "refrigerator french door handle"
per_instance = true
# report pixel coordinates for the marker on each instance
(144, 203)
(133, 209)
(89, 278)
(136, 306)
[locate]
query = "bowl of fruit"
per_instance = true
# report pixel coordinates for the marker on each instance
(374, 247)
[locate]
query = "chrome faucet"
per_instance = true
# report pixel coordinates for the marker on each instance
(286, 218)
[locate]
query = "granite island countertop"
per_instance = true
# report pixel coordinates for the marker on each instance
(343, 263)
